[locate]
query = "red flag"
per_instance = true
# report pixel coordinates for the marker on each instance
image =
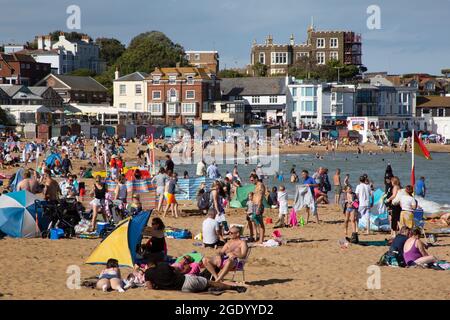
(420, 149)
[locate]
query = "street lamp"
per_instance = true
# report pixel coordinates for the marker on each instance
(338, 69)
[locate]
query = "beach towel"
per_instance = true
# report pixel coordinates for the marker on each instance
(441, 230)
(304, 198)
(382, 243)
(241, 197)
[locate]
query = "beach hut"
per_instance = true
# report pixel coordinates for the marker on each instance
(122, 242)
(20, 216)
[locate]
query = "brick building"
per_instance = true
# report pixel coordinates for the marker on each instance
(204, 59)
(178, 95)
(21, 69)
(321, 46)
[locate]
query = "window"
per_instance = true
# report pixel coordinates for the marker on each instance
(279, 58)
(309, 91)
(294, 92)
(156, 80)
(320, 57)
(172, 108)
(273, 99)
(172, 79)
(138, 89)
(403, 97)
(22, 65)
(334, 43)
(188, 108)
(123, 89)
(441, 113)
(173, 95)
(156, 95)
(190, 80)
(188, 57)
(28, 66)
(262, 58)
(294, 106)
(190, 94)
(197, 57)
(320, 43)
(300, 55)
(138, 106)
(255, 99)
(309, 106)
(334, 55)
(156, 108)
(122, 106)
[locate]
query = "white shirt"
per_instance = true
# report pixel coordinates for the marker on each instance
(363, 192)
(201, 168)
(209, 228)
(407, 202)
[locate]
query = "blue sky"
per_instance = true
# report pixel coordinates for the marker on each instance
(414, 35)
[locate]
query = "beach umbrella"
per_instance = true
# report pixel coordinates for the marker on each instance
(121, 244)
(19, 215)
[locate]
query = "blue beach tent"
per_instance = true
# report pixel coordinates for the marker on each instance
(19, 215)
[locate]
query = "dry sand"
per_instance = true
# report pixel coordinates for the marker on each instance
(315, 267)
(312, 267)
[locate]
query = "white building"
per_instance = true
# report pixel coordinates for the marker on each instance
(130, 94)
(66, 56)
(306, 99)
(264, 97)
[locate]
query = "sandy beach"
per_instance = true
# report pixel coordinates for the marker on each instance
(312, 265)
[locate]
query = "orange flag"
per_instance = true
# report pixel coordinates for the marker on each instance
(420, 149)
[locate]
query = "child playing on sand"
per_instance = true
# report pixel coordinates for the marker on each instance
(282, 198)
(110, 277)
(350, 210)
(137, 277)
(251, 211)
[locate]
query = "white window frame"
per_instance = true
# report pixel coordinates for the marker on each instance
(138, 106)
(188, 56)
(190, 80)
(172, 79)
(193, 94)
(136, 86)
(334, 55)
(123, 89)
(273, 99)
(156, 80)
(169, 107)
(256, 99)
(169, 95)
(197, 57)
(123, 106)
(263, 56)
(159, 106)
(280, 58)
(299, 55)
(334, 43)
(320, 43)
(188, 108)
(319, 57)
(153, 95)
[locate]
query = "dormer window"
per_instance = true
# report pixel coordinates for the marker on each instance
(190, 79)
(172, 79)
(156, 80)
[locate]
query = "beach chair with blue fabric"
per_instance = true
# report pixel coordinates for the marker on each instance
(419, 220)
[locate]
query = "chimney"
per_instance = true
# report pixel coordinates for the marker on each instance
(292, 40)
(269, 40)
(40, 42)
(116, 74)
(62, 36)
(48, 42)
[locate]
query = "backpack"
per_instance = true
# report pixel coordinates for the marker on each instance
(204, 201)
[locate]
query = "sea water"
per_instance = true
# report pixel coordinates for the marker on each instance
(436, 171)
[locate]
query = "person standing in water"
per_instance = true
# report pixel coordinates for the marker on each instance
(337, 186)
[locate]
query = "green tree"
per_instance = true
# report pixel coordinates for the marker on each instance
(445, 72)
(71, 36)
(230, 73)
(259, 69)
(110, 49)
(4, 118)
(307, 68)
(83, 73)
